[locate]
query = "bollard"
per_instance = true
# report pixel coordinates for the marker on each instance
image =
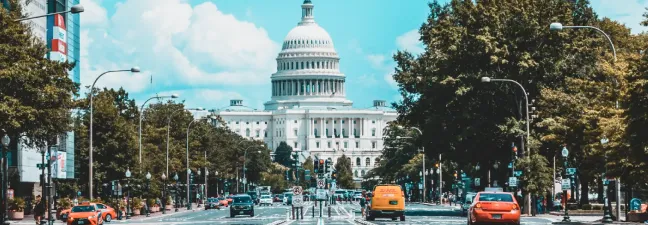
(287, 214)
(293, 212)
(314, 209)
(353, 214)
(329, 211)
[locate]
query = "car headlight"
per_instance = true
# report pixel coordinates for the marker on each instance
(91, 217)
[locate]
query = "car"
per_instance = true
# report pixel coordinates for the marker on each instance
(494, 207)
(212, 203)
(339, 195)
(222, 201)
(357, 196)
(107, 212)
(242, 205)
(254, 196)
(470, 196)
(278, 198)
(85, 214)
(287, 200)
(265, 200)
(386, 201)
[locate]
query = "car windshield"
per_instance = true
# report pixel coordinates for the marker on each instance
(265, 196)
(221, 198)
(83, 208)
(212, 200)
(242, 199)
(340, 192)
(494, 197)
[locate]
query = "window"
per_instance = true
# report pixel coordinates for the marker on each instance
(354, 122)
(335, 132)
(295, 121)
(327, 133)
(355, 173)
(377, 162)
(296, 144)
(247, 132)
(342, 121)
(295, 132)
(266, 122)
(346, 144)
(258, 133)
(358, 161)
(373, 121)
(315, 131)
(334, 121)
(367, 161)
(357, 144)
(362, 173)
(317, 144)
(315, 121)
(265, 133)
(344, 132)
(257, 122)
(326, 122)
(355, 132)
(329, 144)
(373, 145)
(373, 132)
(237, 122)
(247, 122)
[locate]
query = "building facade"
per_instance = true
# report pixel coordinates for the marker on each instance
(308, 108)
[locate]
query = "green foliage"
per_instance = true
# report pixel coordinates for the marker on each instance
(17, 204)
(283, 154)
(344, 173)
(65, 203)
(274, 178)
(538, 181)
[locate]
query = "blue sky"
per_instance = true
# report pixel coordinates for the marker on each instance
(213, 51)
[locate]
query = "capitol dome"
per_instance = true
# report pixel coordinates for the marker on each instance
(308, 71)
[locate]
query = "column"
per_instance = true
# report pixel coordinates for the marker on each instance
(298, 90)
(362, 127)
(272, 88)
(310, 87)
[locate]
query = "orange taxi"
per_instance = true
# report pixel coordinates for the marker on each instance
(494, 207)
(108, 213)
(85, 214)
(223, 201)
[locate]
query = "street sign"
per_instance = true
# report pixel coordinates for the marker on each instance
(513, 181)
(321, 182)
(321, 194)
(477, 182)
(297, 190)
(566, 184)
(298, 200)
(565, 152)
(510, 165)
(635, 204)
(517, 173)
(420, 186)
(571, 171)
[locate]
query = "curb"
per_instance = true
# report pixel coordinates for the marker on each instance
(152, 217)
(363, 222)
(278, 222)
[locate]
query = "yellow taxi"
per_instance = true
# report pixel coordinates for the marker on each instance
(387, 201)
(85, 214)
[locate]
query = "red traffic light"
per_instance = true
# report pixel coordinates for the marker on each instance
(321, 161)
(514, 149)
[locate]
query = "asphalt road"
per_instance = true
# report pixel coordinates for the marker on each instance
(340, 214)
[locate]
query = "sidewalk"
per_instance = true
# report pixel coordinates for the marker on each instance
(29, 219)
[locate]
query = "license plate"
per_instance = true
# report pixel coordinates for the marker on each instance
(80, 222)
(240, 212)
(387, 212)
(393, 202)
(497, 216)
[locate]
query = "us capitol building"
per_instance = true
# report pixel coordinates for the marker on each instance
(308, 109)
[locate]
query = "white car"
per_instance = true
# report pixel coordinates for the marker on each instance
(265, 200)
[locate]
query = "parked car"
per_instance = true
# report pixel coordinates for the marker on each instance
(265, 200)
(278, 198)
(494, 207)
(212, 203)
(242, 205)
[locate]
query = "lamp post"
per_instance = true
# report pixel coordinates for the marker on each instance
(168, 131)
(75, 9)
(607, 218)
(187, 155)
(132, 70)
(128, 198)
(164, 197)
(175, 177)
(198, 198)
(244, 166)
(140, 122)
(206, 177)
(422, 151)
(3, 172)
(148, 190)
(42, 177)
(565, 154)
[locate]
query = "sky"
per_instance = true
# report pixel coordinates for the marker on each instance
(209, 52)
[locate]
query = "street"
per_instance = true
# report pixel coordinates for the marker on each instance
(343, 213)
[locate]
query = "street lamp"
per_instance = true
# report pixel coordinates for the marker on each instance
(132, 70)
(422, 150)
(607, 218)
(164, 197)
(565, 154)
(140, 121)
(128, 199)
(175, 177)
(75, 9)
(5, 146)
(197, 189)
(187, 155)
(168, 131)
(148, 190)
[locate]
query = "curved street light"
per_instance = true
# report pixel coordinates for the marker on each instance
(168, 128)
(132, 70)
(187, 155)
(423, 152)
(140, 122)
(75, 9)
(245, 163)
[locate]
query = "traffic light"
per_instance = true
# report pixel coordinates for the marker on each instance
(320, 166)
(436, 165)
(455, 174)
(328, 166)
(316, 166)
(307, 175)
(334, 175)
(287, 175)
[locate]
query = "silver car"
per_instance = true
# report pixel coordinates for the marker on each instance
(468, 200)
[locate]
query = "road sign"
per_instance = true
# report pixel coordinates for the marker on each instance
(565, 152)
(477, 182)
(420, 186)
(513, 181)
(517, 173)
(321, 194)
(298, 200)
(510, 165)
(571, 171)
(297, 190)
(566, 184)
(320, 183)
(635, 204)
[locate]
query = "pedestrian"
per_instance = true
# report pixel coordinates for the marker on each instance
(363, 202)
(39, 210)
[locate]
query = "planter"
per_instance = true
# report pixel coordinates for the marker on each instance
(13, 215)
(136, 212)
(157, 208)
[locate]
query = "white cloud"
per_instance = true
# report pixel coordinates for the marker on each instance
(377, 61)
(629, 12)
(94, 14)
(380, 63)
(410, 42)
(181, 45)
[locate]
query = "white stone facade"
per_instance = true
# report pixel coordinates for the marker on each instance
(308, 109)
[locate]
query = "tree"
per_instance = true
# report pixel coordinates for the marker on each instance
(283, 154)
(307, 165)
(35, 92)
(344, 173)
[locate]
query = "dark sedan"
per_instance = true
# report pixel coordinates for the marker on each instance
(212, 203)
(242, 205)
